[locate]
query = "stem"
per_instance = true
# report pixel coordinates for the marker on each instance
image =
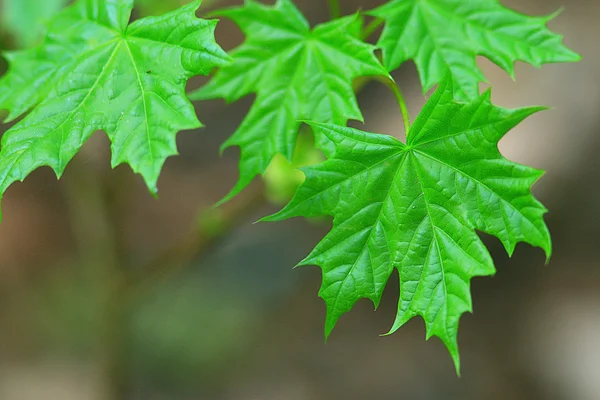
(403, 108)
(335, 11)
(366, 33)
(115, 343)
(219, 223)
(400, 99)
(94, 220)
(116, 369)
(209, 4)
(371, 28)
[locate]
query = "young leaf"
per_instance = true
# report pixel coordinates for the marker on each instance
(94, 71)
(297, 73)
(449, 34)
(416, 208)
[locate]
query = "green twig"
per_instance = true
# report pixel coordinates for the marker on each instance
(335, 11)
(95, 219)
(371, 28)
(216, 224)
(209, 4)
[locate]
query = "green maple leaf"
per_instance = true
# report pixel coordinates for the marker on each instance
(297, 73)
(416, 208)
(95, 72)
(441, 35)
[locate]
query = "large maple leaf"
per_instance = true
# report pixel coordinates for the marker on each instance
(441, 35)
(297, 73)
(95, 72)
(416, 208)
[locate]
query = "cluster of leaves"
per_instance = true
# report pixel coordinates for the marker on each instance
(412, 207)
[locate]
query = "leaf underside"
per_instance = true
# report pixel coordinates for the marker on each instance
(441, 35)
(95, 72)
(416, 208)
(297, 74)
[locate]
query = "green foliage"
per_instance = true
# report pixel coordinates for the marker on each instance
(441, 35)
(25, 19)
(297, 73)
(416, 207)
(93, 72)
(411, 207)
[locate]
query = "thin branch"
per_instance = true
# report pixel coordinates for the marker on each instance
(95, 218)
(220, 223)
(371, 28)
(335, 10)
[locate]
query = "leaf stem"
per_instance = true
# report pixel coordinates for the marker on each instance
(390, 83)
(335, 11)
(371, 28)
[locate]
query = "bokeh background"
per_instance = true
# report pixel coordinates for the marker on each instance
(220, 314)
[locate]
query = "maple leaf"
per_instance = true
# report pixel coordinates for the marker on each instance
(441, 35)
(95, 72)
(297, 73)
(416, 208)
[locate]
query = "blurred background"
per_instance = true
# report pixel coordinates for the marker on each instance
(217, 311)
